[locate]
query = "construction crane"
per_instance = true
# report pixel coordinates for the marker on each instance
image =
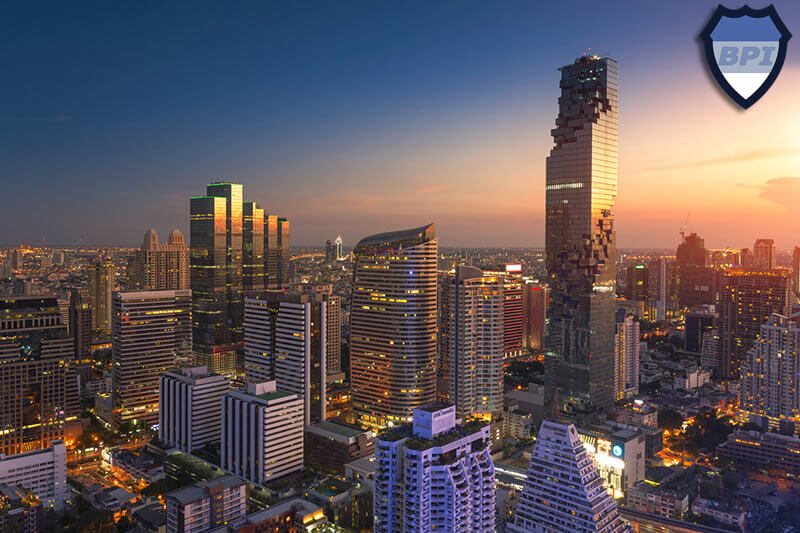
(683, 228)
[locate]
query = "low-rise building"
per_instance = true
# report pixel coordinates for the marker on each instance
(293, 516)
(330, 445)
(43, 472)
(731, 515)
(113, 499)
(518, 422)
(780, 453)
(652, 498)
(20, 510)
(143, 466)
(346, 504)
(618, 451)
(206, 505)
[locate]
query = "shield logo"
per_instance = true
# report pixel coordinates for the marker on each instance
(745, 49)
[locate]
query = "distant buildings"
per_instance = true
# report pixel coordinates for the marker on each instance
(748, 299)
(43, 472)
(626, 358)
(434, 475)
(38, 384)
(160, 266)
(563, 492)
(770, 388)
(262, 433)
(581, 187)
(101, 284)
(151, 335)
(764, 254)
(796, 272)
(81, 322)
(338, 247)
(393, 325)
(698, 323)
(286, 339)
(330, 252)
(476, 345)
(20, 510)
(206, 505)
(190, 411)
(230, 239)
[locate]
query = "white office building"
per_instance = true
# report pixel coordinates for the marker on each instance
(262, 432)
(189, 414)
(434, 475)
(43, 472)
(286, 339)
(563, 492)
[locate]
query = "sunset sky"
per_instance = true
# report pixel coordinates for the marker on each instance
(362, 117)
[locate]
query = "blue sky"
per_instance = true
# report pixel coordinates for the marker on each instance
(361, 117)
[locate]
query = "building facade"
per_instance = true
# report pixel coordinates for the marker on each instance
(150, 335)
(43, 472)
(286, 339)
(331, 445)
(626, 358)
(393, 325)
(262, 433)
(748, 299)
(581, 188)
(434, 475)
(189, 407)
(206, 505)
(160, 266)
(101, 285)
(38, 383)
(81, 322)
(563, 491)
(476, 344)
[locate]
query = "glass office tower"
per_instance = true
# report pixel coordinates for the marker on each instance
(581, 187)
(393, 326)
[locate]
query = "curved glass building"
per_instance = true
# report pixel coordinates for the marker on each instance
(393, 326)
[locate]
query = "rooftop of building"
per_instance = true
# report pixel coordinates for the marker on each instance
(419, 444)
(337, 429)
(199, 490)
(297, 505)
(402, 238)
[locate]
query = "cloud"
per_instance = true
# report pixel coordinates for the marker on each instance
(753, 155)
(430, 189)
(782, 191)
(62, 117)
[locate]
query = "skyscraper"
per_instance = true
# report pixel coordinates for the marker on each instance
(513, 307)
(563, 492)
(770, 389)
(764, 254)
(253, 260)
(476, 343)
(80, 322)
(160, 266)
(101, 284)
(286, 339)
(626, 358)
(581, 188)
(216, 276)
(535, 298)
(189, 407)
(338, 248)
(393, 325)
(151, 332)
(276, 250)
(748, 299)
(434, 475)
(796, 272)
(38, 384)
(330, 252)
(262, 432)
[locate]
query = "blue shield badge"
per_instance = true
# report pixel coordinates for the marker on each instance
(745, 49)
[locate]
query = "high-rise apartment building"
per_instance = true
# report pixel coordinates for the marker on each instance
(159, 266)
(636, 282)
(626, 358)
(101, 285)
(748, 299)
(338, 247)
(286, 339)
(393, 325)
(80, 322)
(262, 432)
(581, 188)
(764, 255)
(330, 252)
(513, 307)
(796, 272)
(476, 343)
(770, 389)
(563, 492)
(434, 475)
(190, 407)
(151, 334)
(38, 383)
(535, 298)
(692, 251)
(206, 505)
(229, 239)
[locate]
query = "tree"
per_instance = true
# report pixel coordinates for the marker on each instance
(670, 419)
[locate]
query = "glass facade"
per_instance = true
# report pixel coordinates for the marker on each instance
(581, 187)
(393, 326)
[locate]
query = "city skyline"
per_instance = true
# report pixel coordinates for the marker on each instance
(344, 145)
